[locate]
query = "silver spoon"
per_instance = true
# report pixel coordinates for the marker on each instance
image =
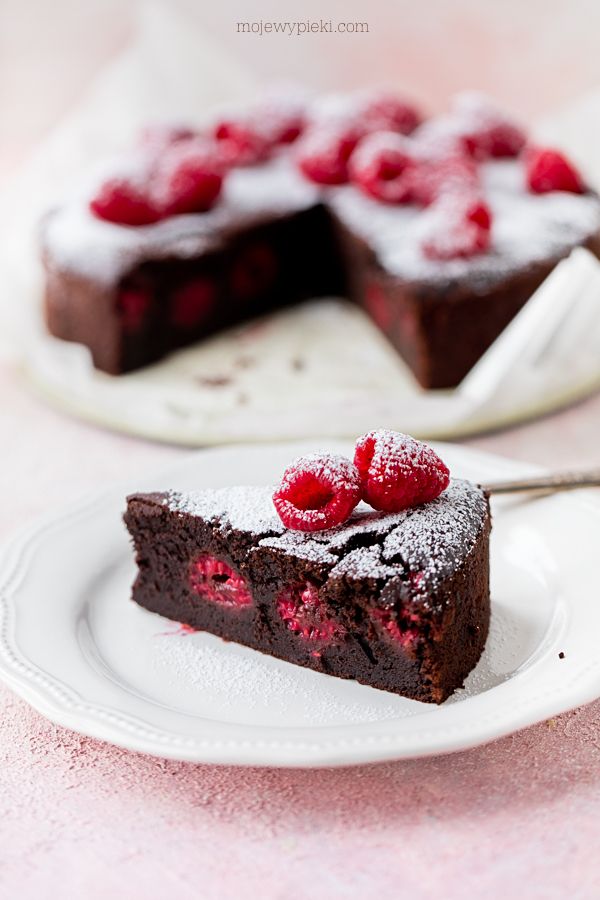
(557, 481)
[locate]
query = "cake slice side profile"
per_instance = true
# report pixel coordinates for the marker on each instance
(399, 601)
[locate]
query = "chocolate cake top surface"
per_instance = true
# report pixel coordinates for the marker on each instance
(528, 228)
(80, 242)
(427, 541)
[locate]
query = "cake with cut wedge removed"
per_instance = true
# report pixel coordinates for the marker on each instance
(440, 230)
(396, 600)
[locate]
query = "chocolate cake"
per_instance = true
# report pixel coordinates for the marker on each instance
(399, 601)
(275, 237)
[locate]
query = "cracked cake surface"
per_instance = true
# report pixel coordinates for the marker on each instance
(427, 539)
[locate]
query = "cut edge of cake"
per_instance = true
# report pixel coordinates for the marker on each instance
(398, 601)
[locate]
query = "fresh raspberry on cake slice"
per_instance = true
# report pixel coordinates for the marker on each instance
(317, 491)
(397, 471)
(398, 600)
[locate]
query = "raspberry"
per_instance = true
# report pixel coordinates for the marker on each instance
(379, 305)
(125, 202)
(282, 114)
(480, 215)
(251, 137)
(496, 140)
(437, 138)
(182, 173)
(192, 302)
(485, 140)
(400, 626)
(306, 615)
(548, 170)
(244, 141)
(380, 167)
(485, 132)
(457, 227)
(324, 152)
(213, 579)
(429, 179)
(287, 129)
(382, 111)
(254, 271)
(398, 471)
(317, 491)
(133, 303)
(188, 178)
(474, 129)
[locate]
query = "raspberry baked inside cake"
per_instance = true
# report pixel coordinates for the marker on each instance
(396, 600)
(440, 229)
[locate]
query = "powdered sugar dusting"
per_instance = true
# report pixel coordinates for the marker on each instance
(335, 468)
(78, 241)
(312, 546)
(388, 444)
(398, 471)
(317, 491)
(527, 228)
(432, 538)
(247, 509)
(428, 540)
(365, 562)
(238, 676)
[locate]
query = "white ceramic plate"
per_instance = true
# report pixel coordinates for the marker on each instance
(77, 648)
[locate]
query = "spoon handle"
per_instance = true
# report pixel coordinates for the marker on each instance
(557, 481)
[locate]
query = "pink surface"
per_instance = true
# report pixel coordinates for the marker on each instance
(81, 819)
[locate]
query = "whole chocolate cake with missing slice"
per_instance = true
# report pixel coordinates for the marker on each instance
(441, 230)
(399, 600)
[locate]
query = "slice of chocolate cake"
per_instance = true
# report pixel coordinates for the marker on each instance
(399, 601)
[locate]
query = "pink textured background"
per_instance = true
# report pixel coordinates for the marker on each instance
(80, 819)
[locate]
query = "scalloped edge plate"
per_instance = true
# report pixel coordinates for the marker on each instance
(77, 649)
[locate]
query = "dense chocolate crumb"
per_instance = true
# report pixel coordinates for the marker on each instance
(397, 601)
